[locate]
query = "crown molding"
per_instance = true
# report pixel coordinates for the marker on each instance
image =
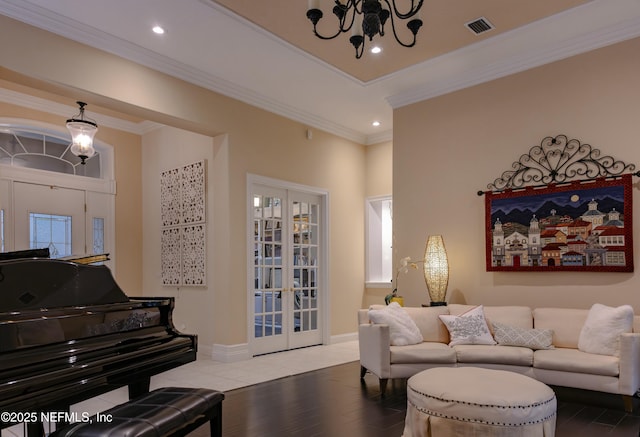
(64, 111)
(79, 32)
(592, 25)
(379, 138)
(441, 80)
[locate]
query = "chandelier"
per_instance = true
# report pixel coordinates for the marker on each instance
(367, 18)
(82, 131)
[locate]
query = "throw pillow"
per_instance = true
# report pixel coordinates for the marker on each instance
(468, 328)
(601, 331)
(535, 339)
(402, 329)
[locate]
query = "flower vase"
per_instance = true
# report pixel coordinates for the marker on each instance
(398, 299)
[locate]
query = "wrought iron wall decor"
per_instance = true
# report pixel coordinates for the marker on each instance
(562, 207)
(557, 160)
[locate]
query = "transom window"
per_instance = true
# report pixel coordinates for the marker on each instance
(32, 149)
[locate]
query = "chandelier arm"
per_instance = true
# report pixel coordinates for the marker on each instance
(354, 3)
(326, 37)
(341, 20)
(409, 14)
(393, 28)
(359, 47)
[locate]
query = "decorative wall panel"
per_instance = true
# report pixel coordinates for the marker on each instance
(183, 218)
(170, 197)
(170, 258)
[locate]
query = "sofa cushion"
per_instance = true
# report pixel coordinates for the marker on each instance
(518, 356)
(573, 360)
(507, 335)
(520, 316)
(601, 331)
(402, 328)
(468, 328)
(566, 324)
(425, 352)
(427, 321)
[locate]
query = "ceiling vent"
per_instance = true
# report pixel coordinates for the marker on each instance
(479, 25)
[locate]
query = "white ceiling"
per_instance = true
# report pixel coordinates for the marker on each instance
(210, 46)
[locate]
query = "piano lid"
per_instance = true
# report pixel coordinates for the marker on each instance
(29, 253)
(32, 284)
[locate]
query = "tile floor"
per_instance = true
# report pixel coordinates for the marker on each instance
(227, 376)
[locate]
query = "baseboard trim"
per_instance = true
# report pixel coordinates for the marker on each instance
(232, 353)
(343, 338)
(226, 353)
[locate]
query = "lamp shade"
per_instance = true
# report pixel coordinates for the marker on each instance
(436, 269)
(82, 132)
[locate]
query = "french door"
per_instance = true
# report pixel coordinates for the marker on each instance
(286, 290)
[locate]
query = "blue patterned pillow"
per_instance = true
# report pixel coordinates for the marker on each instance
(507, 335)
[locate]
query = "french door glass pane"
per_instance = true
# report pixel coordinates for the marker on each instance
(305, 265)
(98, 235)
(268, 271)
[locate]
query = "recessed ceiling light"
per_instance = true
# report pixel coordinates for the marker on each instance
(375, 123)
(376, 49)
(158, 29)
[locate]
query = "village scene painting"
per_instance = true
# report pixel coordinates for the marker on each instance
(577, 227)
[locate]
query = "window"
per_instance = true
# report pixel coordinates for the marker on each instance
(98, 235)
(31, 149)
(379, 240)
(50, 231)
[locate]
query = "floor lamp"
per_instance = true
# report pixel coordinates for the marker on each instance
(436, 270)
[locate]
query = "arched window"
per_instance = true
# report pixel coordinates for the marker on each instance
(38, 149)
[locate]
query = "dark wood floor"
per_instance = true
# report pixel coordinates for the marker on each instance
(333, 402)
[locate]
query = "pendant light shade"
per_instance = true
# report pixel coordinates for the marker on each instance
(436, 270)
(82, 131)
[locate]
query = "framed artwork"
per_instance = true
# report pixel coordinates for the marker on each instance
(576, 226)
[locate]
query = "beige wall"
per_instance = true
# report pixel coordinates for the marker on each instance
(447, 148)
(245, 140)
(167, 148)
(379, 169)
(379, 183)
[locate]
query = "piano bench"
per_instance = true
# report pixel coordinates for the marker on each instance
(167, 411)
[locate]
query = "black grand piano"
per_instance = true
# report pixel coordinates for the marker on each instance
(69, 333)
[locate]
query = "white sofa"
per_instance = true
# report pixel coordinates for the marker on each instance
(563, 365)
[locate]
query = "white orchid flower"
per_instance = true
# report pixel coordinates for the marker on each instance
(404, 265)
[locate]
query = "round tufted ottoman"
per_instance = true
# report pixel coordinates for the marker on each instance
(469, 401)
